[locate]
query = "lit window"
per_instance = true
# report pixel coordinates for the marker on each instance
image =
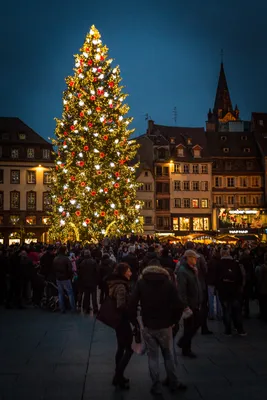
(180, 152)
(31, 177)
(204, 203)
(172, 140)
(15, 200)
(175, 224)
(31, 220)
(15, 153)
(47, 177)
(177, 168)
(46, 221)
(205, 186)
(31, 200)
(184, 224)
(47, 201)
(196, 153)
(46, 154)
(22, 136)
(14, 219)
(195, 203)
(30, 153)
(15, 176)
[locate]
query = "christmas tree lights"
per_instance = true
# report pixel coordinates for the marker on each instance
(94, 185)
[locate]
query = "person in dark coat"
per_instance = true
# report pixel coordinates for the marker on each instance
(161, 309)
(63, 271)
(166, 261)
(191, 294)
(88, 279)
(119, 289)
(150, 255)
(132, 260)
(105, 270)
(230, 283)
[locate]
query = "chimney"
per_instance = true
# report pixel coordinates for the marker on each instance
(150, 126)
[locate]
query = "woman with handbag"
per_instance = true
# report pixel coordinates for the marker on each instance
(119, 290)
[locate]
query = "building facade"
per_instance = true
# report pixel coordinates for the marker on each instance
(183, 179)
(145, 194)
(238, 174)
(25, 176)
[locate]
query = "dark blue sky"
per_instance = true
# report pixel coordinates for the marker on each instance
(168, 52)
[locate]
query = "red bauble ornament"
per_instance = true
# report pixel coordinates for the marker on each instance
(116, 212)
(73, 153)
(78, 213)
(79, 95)
(125, 193)
(65, 133)
(64, 143)
(87, 221)
(116, 185)
(111, 106)
(67, 108)
(83, 184)
(72, 127)
(87, 49)
(98, 109)
(99, 69)
(86, 148)
(95, 79)
(117, 174)
(106, 190)
(90, 124)
(93, 193)
(102, 213)
(72, 178)
(107, 201)
(111, 84)
(57, 167)
(122, 162)
(102, 155)
(102, 58)
(80, 70)
(81, 114)
(92, 98)
(71, 83)
(60, 199)
(105, 137)
(100, 92)
(81, 163)
(99, 172)
(90, 62)
(63, 214)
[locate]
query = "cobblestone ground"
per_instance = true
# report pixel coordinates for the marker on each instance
(45, 356)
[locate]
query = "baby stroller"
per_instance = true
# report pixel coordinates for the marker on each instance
(50, 300)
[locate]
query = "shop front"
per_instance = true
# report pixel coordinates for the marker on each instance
(243, 219)
(185, 226)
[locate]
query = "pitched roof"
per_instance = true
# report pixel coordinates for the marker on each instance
(234, 141)
(13, 126)
(259, 121)
(180, 136)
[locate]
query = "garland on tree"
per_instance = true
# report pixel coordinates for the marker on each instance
(94, 183)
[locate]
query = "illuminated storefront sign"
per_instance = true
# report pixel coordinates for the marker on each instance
(238, 232)
(243, 212)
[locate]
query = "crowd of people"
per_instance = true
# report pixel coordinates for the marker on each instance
(163, 284)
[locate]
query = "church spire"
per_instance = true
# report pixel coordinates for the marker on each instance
(222, 103)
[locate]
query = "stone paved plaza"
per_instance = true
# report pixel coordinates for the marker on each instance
(47, 356)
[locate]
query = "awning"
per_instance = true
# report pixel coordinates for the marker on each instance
(249, 237)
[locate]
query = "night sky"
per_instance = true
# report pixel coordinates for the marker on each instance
(168, 52)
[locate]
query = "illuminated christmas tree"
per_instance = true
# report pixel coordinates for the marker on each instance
(94, 187)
